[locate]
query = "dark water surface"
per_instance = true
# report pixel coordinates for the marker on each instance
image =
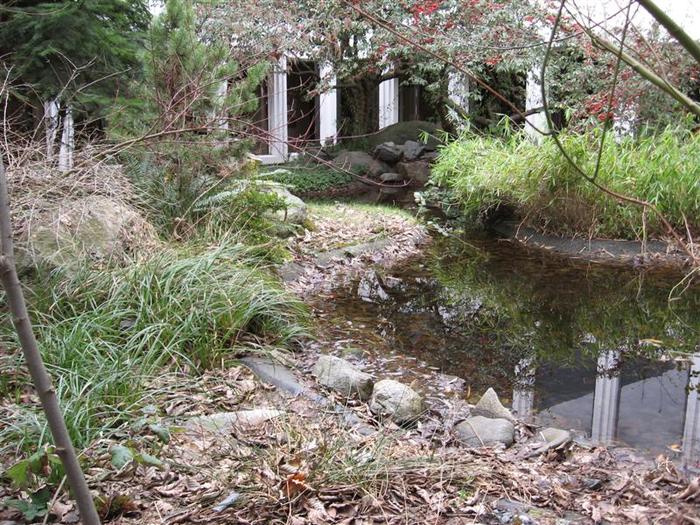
(612, 352)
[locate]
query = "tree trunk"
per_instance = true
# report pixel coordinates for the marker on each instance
(32, 356)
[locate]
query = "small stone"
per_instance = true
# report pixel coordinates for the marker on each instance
(342, 376)
(479, 431)
(490, 406)
(395, 400)
(390, 177)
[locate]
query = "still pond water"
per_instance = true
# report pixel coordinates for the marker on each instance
(610, 352)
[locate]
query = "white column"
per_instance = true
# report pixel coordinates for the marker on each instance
(328, 107)
(606, 399)
(388, 102)
(220, 112)
(524, 388)
(458, 92)
(277, 111)
(51, 108)
(534, 100)
(691, 426)
(65, 153)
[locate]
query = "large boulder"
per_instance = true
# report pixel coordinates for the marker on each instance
(490, 406)
(343, 377)
(395, 400)
(417, 171)
(479, 431)
(93, 228)
(294, 211)
(401, 132)
(360, 163)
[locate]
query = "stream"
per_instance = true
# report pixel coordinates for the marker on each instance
(609, 352)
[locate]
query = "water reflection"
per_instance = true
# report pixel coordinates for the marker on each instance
(606, 397)
(600, 350)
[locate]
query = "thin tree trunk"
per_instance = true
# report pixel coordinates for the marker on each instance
(40, 377)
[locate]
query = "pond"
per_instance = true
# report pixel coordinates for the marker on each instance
(610, 352)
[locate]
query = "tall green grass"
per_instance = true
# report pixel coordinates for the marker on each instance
(107, 335)
(543, 188)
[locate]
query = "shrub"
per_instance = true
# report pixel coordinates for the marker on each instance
(543, 188)
(309, 178)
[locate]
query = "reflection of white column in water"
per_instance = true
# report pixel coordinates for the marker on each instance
(388, 102)
(534, 100)
(524, 388)
(691, 426)
(51, 124)
(65, 153)
(606, 399)
(277, 119)
(328, 107)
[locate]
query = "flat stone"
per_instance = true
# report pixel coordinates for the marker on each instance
(343, 377)
(490, 406)
(479, 431)
(274, 373)
(396, 401)
(227, 421)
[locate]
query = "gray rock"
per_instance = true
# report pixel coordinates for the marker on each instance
(401, 132)
(92, 228)
(490, 406)
(388, 152)
(342, 376)
(417, 171)
(412, 150)
(377, 167)
(395, 400)
(481, 431)
(358, 162)
(549, 438)
(390, 177)
(227, 421)
(295, 211)
(371, 287)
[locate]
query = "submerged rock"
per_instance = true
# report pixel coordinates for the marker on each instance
(479, 431)
(490, 406)
(342, 376)
(395, 400)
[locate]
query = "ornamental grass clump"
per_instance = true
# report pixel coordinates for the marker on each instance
(541, 186)
(107, 336)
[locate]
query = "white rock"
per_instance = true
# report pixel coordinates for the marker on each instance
(395, 400)
(342, 376)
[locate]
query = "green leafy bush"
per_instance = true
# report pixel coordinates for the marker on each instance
(308, 179)
(545, 190)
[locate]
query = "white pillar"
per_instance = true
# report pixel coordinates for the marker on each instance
(65, 154)
(534, 100)
(524, 388)
(51, 109)
(606, 399)
(388, 102)
(691, 425)
(277, 111)
(328, 107)
(458, 93)
(219, 113)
